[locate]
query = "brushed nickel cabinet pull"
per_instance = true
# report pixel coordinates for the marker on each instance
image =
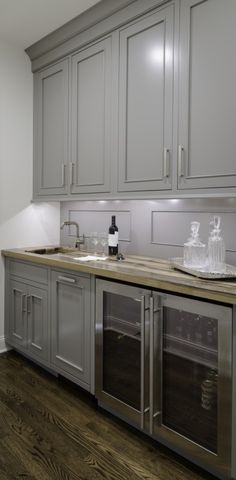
(66, 279)
(71, 173)
(28, 303)
(166, 162)
(180, 161)
(23, 309)
(62, 174)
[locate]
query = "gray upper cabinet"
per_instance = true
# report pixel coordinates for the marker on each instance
(146, 103)
(207, 104)
(141, 106)
(71, 326)
(91, 119)
(51, 130)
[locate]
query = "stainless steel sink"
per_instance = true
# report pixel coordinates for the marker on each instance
(54, 251)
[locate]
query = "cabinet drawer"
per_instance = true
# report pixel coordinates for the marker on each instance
(31, 272)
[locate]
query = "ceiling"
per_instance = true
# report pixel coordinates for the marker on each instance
(24, 22)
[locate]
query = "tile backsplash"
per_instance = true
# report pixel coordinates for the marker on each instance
(156, 228)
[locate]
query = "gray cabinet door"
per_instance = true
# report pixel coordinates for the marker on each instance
(51, 130)
(91, 119)
(207, 103)
(17, 321)
(28, 326)
(146, 103)
(71, 325)
(38, 323)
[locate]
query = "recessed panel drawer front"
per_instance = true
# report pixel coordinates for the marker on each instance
(34, 273)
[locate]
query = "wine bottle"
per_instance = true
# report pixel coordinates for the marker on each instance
(113, 237)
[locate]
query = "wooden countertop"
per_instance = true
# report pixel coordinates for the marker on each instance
(146, 271)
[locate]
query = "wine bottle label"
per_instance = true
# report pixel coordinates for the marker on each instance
(113, 239)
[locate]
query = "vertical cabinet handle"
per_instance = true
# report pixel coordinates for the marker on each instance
(28, 304)
(62, 174)
(71, 173)
(151, 370)
(142, 401)
(166, 162)
(23, 309)
(155, 363)
(180, 161)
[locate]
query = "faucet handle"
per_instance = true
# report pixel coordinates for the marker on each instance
(79, 241)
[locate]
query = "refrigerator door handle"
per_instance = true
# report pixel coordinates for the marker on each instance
(151, 370)
(144, 322)
(155, 390)
(142, 400)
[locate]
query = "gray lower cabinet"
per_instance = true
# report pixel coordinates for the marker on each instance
(91, 119)
(71, 326)
(146, 102)
(51, 325)
(28, 319)
(207, 104)
(51, 116)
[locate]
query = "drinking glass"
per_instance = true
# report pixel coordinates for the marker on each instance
(94, 242)
(103, 238)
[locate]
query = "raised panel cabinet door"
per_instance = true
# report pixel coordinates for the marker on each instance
(71, 325)
(146, 103)
(17, 328)
(91, 119)
(51, 130)
(207, 103)
(38, 323)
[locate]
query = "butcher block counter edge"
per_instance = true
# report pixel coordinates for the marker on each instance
(148, 272)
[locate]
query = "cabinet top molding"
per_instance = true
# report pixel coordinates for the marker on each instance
(98, 20)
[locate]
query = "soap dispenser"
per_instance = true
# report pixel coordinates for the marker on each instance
(216, 248)
(194, 249)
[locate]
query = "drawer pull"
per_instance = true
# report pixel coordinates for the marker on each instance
(66, 279)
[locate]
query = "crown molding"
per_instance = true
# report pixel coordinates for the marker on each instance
(99, 20)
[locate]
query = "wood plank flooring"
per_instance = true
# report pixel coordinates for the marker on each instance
(52, 430)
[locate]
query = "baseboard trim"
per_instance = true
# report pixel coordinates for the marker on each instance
(3, 346)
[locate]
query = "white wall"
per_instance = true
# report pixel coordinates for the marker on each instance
(21, 223)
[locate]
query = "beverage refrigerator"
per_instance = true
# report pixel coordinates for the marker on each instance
(163, 364)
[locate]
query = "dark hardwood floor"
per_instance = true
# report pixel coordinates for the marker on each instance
(51, 429)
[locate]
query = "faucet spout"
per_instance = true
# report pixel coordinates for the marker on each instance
(68, 223)
(79, 240)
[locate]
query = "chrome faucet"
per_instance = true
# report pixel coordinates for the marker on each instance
(79, 240)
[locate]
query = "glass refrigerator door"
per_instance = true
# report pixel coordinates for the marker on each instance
(122, 354)
(122, 348)
(190, 376)
(195, 377)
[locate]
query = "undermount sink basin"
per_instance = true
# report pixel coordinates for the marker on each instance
(54, 250)
(73, 253)
(69, 252)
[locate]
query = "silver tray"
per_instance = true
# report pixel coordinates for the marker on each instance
(230, 271)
